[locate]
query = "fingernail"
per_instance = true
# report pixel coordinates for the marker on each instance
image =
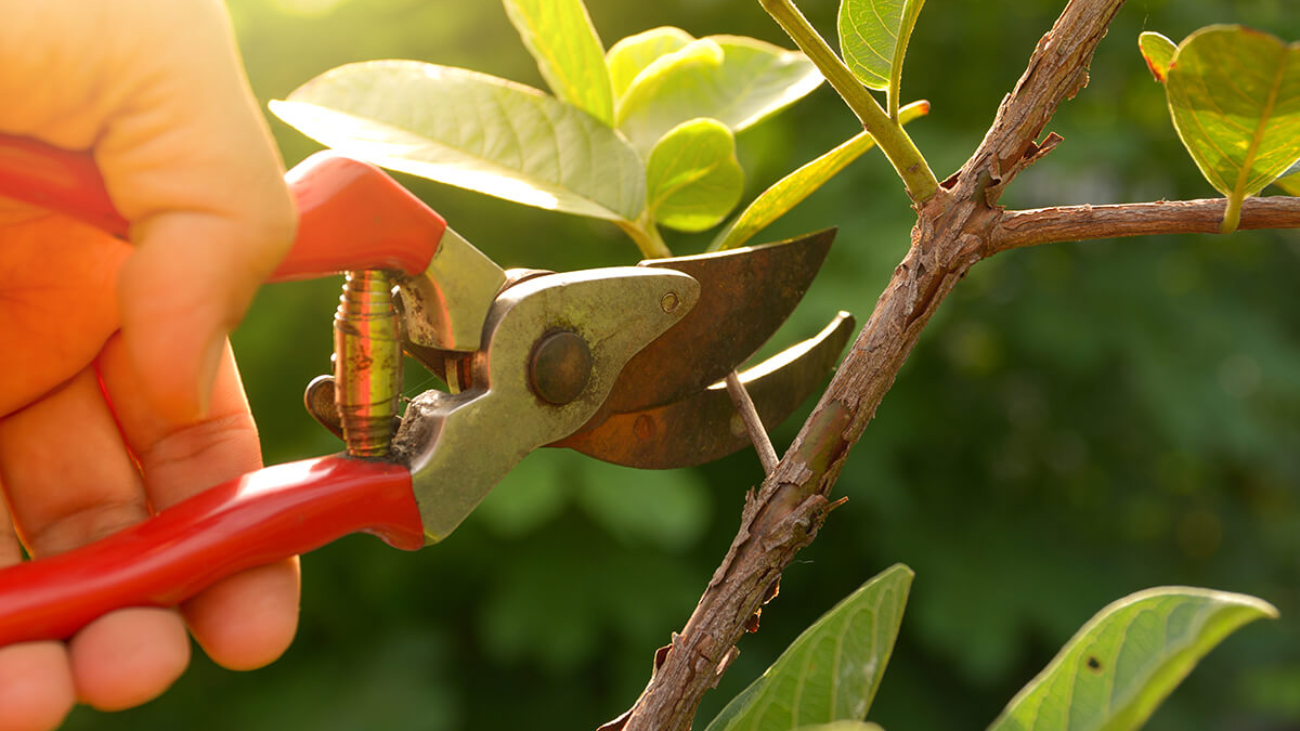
(208, 368)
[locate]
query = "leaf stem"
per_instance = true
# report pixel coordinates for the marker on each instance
(646, 235)
(1232, 214)
(889, 134)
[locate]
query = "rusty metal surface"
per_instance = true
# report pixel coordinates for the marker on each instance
(745, 295)
(706, 426)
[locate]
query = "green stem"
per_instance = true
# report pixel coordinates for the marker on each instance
(646, 235)
(1232, 216)
(889, 134)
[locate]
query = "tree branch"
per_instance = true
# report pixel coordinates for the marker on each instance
(955, 228)
(1017, 229)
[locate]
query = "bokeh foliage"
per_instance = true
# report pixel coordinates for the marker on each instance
(1079, 422)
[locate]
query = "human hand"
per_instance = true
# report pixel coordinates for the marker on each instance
(120, 394)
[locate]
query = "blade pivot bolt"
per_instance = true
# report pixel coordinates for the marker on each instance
(670, 302)
(561, 367)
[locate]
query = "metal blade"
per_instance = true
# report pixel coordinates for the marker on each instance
(705, 426)
(745, 295)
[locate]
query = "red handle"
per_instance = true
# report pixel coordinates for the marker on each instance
(256, 519)
(351, 215)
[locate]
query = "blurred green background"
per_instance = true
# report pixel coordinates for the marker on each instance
(1079, 421)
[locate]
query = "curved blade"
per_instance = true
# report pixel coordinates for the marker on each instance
(745, 295)
(705, 426)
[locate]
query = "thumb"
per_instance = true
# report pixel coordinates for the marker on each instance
(181, 292)
(189, 161)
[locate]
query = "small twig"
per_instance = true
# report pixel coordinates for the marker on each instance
(753, 424)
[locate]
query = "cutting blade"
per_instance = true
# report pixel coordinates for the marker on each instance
(705, 425)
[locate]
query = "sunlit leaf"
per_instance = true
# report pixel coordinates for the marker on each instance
(473, 131)
(791, 190)
(693, 179)
(738, 81)
(874, 36)
(569, 54)
(1127, 659)
(1290, 184)
(630, 56)
(1234, 94)
(831, 672)
(1290, 180)
(1158, 52)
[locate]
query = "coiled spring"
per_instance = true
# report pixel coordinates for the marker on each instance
(367, 363)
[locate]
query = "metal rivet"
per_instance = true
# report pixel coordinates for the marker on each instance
(560, 368)
(670, 302)
(643, 427)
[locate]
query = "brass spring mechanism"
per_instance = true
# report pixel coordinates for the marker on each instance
(367, 363)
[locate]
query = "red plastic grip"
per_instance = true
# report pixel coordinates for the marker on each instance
(256, 519)
(351, 214)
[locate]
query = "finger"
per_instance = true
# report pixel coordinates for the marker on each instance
(36, 690)
(70, 481)
(199, 176)
(247, 620)
(156, 88)
(59, 304)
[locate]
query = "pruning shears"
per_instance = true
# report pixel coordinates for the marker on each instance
(624, 364)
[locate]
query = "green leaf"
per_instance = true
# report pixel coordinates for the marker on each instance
(791, 190)
(569, 54)
(1289, 184)
(693, 179)
(874, 36)
(1127, 659)
(737, 81)
(831, 672)
(1234, 94)
(473, 131)
(630, 56)
(842, 726)
(1290, 180)
(1158, 52)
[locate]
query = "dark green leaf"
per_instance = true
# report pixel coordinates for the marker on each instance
(1114, 673)
(831, 672)
(842, 726)
(473, 131)
(737, 81)
(569, 54)
(693, 179)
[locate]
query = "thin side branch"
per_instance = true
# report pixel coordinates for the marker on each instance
(1017, 229)
(753, 422)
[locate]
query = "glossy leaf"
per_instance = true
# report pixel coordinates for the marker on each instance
(1290, 180)
(1127, 659)
(473, 131)
(1234, 94)
(791, 190)
(1289, 184)
(738, 81)
(693, 179)
(1158, 52)
(874, 36)
(569, 54)
(630, 56)
(831, 672)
